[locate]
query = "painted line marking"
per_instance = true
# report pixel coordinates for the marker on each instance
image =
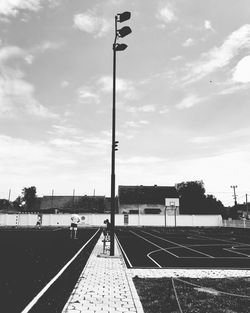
(154, 244)
(124, 252)
(202, 257)
(42, 292)
(177, 244)
(153, 260)
(236, 252)
(240, 247)
(240, 243)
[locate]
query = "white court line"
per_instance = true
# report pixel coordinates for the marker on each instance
(154, 244)
(201, 245)
(41, 293)
(247, 255)
(229, 241)
(240, 247)
(123, 252)
(153, 260)
(177, 244)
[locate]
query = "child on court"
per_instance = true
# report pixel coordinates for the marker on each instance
(106, 231)
(75, 220)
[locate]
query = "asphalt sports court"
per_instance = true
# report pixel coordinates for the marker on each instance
(191, 248)
(40, 267)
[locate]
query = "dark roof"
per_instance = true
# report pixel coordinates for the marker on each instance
(146, 194)
(77, 202)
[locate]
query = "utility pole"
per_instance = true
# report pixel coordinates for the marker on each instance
(52, 198)
(247, 205)
(235, 200)
(73, 199)
(235, 196)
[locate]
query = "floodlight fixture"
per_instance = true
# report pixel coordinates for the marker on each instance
(122, 17)
(124, 31)
(120, 46)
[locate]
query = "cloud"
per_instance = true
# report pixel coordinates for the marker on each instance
(139, 160)
(9, 52)
(106, 84)
(148, 108)
(37, 156)
(47, 45)
(29, 58)
(166, 14)
(16, 94)
(63, 130)
(232, 87)
(177, 58)
(188, 102)
(64, 84)
(123, 86)
(219, 57)
(86, 95)
(208, 25)
(164, 111)
(17, 97)
(203, 139)
(12, 7)
(137, 124)
(64, 143)
(242, 70)
(98, 88)
(90, 23)
(189, 42)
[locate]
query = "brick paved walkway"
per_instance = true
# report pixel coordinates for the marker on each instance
(104, 286)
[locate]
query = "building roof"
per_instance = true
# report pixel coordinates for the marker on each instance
(76, 202)
(146, 194)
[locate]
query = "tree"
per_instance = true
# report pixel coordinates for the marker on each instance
(213, 206)
(29, 198)
(194, 201)
(17, 204)
(4, 204)
(192, 195)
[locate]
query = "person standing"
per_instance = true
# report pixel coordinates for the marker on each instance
(75, 220)
(107, 230)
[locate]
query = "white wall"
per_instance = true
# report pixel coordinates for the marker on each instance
(98, 219)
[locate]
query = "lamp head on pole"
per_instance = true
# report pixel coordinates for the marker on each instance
(122, 17)
(120, 47)
(124, 31)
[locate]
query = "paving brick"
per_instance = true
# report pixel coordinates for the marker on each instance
(103, 286)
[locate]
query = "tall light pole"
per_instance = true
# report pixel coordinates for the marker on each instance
(119, 33)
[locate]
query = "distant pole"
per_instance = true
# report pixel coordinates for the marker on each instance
(73, 198)
(9, 195)
(175, 216)
(235, 199)
(247, 205)
(235, 196)
(52, 198)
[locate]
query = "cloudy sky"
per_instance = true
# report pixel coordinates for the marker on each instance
(182, 95)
